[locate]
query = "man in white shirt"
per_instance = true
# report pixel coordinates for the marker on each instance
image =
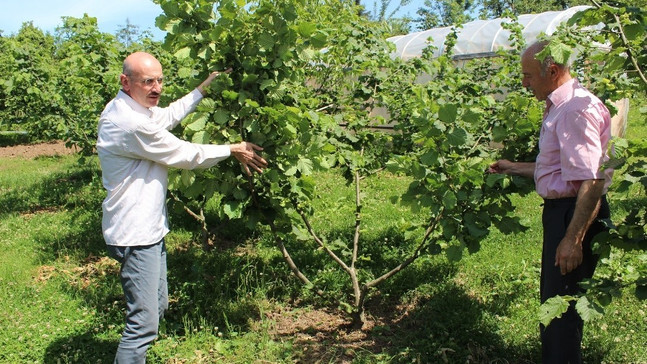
(135, 148)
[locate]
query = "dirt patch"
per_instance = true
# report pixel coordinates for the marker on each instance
(328, 336)
(29, 151)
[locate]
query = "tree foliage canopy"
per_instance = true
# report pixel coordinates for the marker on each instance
(313, 82)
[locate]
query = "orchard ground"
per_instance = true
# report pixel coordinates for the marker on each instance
(35, 150)
(56, 275)
(316, 331)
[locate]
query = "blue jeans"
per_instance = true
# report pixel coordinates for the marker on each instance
(143, 279)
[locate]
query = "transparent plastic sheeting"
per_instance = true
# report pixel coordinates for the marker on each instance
(481, 38)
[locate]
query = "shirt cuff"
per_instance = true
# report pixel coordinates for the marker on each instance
(196, 95)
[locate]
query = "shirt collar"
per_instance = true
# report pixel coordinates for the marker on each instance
(563, 92)
(134, 104)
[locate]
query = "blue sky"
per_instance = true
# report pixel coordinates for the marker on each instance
(111, 15)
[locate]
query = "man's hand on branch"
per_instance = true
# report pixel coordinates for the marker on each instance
(245, 153)
(210, 78)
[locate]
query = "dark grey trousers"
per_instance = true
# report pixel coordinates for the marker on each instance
(561, 340)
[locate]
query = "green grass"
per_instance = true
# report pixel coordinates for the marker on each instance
(60, 299)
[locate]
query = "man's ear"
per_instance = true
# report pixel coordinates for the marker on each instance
(554, 71)
(125, 82)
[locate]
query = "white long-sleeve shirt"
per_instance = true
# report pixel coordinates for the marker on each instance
(135, 148)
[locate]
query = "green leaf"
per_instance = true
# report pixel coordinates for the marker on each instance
(221, 117)
(558, 50)
(448, 113)
(230, 95)
(553, 308)
(500, 133)
(471, 222)
(510, 225)
(319, 39)
(266, 84)
(633, 31)
(346, 307)
(605, 298)
(473, 115)
(250, 78)
(588, 310)
(233, 209)
(291, 171)
(193, 190)
(183, 53)
(493, 178)
(266, 41)
(305, 166)
(449, 200)
(306, 29)
(240, 194)
(454, 253)
(430, 158)
(252, 103)
(457, 137)
(185, 72)
(187, 177)
(201, 137)
(198, 123)
(207, 104)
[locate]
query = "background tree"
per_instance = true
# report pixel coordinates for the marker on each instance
(490, 9)
(381, 9)
(7, 67)
(30, 98)
(384, 11)
(90, 67)
(441, 13)
(128, 34)
(312, 111)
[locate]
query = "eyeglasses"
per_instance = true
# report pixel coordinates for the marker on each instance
(149, 82)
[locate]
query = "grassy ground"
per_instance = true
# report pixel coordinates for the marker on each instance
(60, 300)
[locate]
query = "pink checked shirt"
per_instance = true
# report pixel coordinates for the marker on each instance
(572, 142)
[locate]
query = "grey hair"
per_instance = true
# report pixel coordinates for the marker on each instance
(127, 69)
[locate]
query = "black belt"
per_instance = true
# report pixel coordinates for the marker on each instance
(550, 202)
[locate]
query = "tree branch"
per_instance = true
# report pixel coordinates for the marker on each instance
(411, 259)
(358, 223)
(288, 259)
(625, 42)
(320, 242)
(203, 221)
(358, 220)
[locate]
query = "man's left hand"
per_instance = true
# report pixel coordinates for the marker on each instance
(245, 153)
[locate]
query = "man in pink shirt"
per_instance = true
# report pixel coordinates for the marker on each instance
(567, 172)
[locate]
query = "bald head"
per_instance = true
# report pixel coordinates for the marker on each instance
(142, 78)
(135, 62)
